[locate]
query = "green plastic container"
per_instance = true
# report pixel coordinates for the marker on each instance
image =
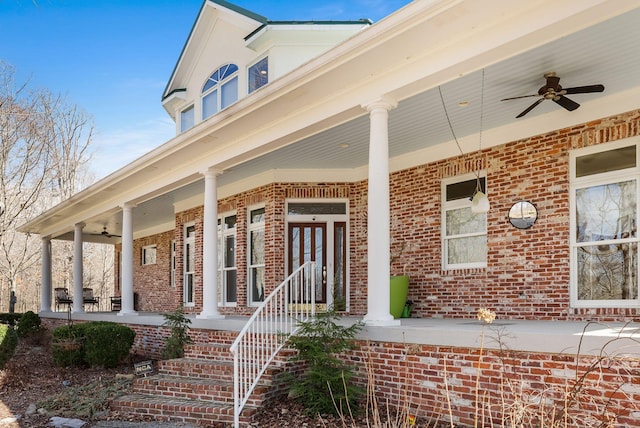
(399, 290)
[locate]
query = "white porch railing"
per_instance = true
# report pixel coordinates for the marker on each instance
(268, 329)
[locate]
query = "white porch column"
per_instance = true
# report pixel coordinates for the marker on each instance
(210, 247)
(45, 297)
(126, 282)
(378, 243)
(77, 268)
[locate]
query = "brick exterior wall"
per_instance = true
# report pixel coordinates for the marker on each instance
(429, 380)
(527, 276)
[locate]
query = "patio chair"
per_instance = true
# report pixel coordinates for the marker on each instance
(62, 298)
(116, 302)
(88, 298)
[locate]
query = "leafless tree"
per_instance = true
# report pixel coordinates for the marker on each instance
(44, 143)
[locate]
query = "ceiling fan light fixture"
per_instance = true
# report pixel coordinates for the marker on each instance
(553, 91)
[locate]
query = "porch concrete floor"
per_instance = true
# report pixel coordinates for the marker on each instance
(566, 337)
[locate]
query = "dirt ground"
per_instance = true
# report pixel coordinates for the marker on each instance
(30, 381)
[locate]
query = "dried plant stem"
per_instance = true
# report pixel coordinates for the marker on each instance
(446, 393)
(479, 367)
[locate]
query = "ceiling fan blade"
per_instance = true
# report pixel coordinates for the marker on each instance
(517, 98)
(531, 107)
(566, 103)
(583, 89)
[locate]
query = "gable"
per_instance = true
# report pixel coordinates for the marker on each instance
(217, 33)
(225, 34)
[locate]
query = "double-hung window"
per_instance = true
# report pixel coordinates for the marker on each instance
(256, 255)
(464, 233)
(220, 90)
(227, 269)
(604, 219)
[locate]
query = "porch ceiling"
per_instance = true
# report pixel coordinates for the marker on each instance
(605, 53)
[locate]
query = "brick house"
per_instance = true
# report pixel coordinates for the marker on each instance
(351, 143)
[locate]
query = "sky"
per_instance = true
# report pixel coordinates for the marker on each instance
(113, 58)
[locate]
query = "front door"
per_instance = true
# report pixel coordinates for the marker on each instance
(308, 242)
(326, 244)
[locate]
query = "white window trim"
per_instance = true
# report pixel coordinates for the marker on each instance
(330, 219)
(218, 87)
(251, 227)
(221, 235)
(143, 255)
(266, 55)
(185, 241)
(173, 262)
(576, 183)
(457, 204)
(183, 110)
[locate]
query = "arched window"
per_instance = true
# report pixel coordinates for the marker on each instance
(220, 90)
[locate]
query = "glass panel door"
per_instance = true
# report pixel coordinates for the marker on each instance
(340, 266)
(307, 242)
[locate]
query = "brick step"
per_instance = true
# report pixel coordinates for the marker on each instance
(182, 387)
(197, 368)
(196, 389)
(208, 351)
(207, 369)
(180, 410)
(215, 351)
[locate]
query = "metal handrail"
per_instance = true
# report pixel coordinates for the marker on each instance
(267, 331)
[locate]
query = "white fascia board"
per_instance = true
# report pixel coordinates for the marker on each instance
(302, 35)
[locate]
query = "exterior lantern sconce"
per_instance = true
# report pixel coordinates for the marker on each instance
(480, 203)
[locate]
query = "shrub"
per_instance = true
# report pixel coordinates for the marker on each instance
(179, 326)
(29, 324)
(325, 386)
(67, 346)
(8, 343)
(9, 319)
(106, 343)
(97, 343)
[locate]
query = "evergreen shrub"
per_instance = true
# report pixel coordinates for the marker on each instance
(178, 337)
(97, 343)
(8, 343)
(67, 346)
(325, 386)
(28, 324)
(10, 319)
(106, 343)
